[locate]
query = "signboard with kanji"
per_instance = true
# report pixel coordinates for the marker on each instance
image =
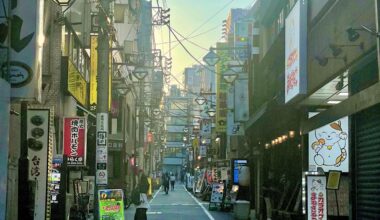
(316, 198)
(74, 140)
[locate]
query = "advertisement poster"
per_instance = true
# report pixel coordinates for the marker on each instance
(316, 198)
(74, 140)
(111, 205)
(296, 51)
(329, 147)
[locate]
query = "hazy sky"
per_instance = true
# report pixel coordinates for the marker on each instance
(191, 18)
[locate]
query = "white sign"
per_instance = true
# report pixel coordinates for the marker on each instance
(316, 198)
(329, 147)
(101, 177)
(26, 49)
(40, 155)
(202, 150)
(241, 98)
(101, 148)
(296, 51)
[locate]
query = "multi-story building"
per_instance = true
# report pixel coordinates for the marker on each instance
(316, 80)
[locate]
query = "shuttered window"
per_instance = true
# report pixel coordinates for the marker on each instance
(367, 163)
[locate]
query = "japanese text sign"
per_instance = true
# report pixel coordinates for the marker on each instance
(316, 198)
(74, 140)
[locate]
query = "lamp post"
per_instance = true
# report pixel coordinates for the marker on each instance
(63, 2)
(140, 73)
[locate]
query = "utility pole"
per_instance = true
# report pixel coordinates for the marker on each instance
(141, 125)
(101, 177)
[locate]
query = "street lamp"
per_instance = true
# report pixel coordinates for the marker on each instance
(230, 76)
(211, 58)
(200, 100)
(140, 73)
(211, 112)
(62, 2)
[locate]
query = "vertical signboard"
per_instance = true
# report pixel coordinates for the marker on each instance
(296, 51)
(101, 148)
(316, 198)
(4, 143)
(329, 147)
(221, 87)
(26, 49)
(111, 205)
(74, 140)
(40, 158)
(94, 72)
(241, 98)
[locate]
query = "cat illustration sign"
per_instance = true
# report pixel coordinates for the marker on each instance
(329, 146)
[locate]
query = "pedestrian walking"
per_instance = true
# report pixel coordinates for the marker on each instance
(165, 182)
(172, 181)
(143, 187)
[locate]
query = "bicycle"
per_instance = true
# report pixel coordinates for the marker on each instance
(127, 200)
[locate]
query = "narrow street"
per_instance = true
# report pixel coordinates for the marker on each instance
(178, 205)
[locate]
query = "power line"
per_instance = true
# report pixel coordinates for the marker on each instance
(198, 28)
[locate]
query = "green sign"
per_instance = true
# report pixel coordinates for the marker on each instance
(111, 205)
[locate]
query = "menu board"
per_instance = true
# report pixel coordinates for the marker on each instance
(217, 193)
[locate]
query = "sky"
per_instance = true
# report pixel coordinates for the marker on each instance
(200, 21)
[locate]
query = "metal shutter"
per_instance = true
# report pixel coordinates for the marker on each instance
(367, 163)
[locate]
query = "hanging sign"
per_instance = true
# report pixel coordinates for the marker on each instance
(74, 140)
(296, 51)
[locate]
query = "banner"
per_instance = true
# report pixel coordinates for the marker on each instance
(296, 51)
(316, 198)
(74, 140)
(111, 204)
(40, 154)
(26, 49)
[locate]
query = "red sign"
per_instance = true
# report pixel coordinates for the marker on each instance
(74, 140)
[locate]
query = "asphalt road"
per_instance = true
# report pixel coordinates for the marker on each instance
(179, 205)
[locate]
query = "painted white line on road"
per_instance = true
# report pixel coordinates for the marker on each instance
(154, 213)
(200, 204)
(154, 196)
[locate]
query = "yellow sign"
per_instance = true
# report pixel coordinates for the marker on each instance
(110, 77)
(221, 88)
(94, 71)
(77, 84)
(94, 74)
(333, 180)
